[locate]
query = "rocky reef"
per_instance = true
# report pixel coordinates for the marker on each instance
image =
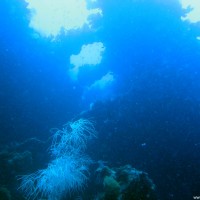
(124, 183)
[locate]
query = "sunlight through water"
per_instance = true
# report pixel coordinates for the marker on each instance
(193, 8)
(52, 17)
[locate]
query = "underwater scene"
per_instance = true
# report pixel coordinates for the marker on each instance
(99, 99)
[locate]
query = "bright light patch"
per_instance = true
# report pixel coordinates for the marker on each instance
(50, 17)
(103, 82)
(90, 54)
(193, 7)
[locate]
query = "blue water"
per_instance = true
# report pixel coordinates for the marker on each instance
(149, 117)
